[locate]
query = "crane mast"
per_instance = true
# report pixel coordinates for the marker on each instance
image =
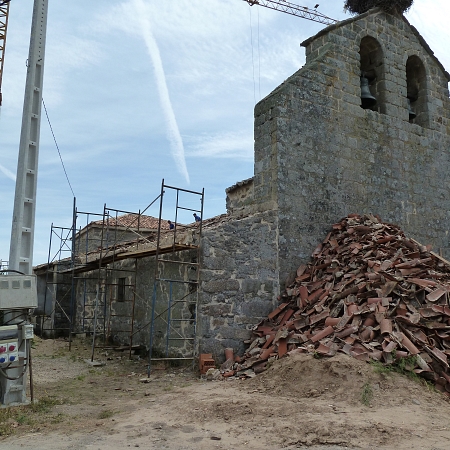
(22, 234)
(294, 10)
(4, 12)
(18, 292)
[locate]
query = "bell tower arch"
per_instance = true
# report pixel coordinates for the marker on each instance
(373, 70)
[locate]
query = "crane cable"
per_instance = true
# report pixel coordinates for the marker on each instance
(57, 147)
(253, 60)
(259, 63)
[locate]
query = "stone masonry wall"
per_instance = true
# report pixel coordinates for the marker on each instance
(238, 287)
(320, 156)
(239, 280)
(119, 312)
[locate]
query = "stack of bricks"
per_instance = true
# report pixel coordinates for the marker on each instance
(206, 362)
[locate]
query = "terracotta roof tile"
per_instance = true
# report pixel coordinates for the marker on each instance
(132, 220)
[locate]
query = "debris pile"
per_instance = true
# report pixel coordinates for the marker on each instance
(369, 292)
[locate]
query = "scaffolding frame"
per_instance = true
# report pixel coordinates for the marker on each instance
(110, 291)
(85, 261)
(169, 314)
(79, 243)
(63, 265)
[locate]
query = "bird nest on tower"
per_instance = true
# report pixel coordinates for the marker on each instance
(392, 6)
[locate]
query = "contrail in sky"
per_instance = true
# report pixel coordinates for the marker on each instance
(173, 132)
(7, 172)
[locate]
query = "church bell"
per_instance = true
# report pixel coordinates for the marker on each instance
(412, 114)
(367, 99)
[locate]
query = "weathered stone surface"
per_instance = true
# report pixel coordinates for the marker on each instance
(256, 308)
(238, 333)
(327, 161)
(221, 286)
(217, 309)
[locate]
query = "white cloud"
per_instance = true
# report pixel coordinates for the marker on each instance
(68, 55)
(136, 20)
(173, 132)
(7, 173)
(227, 145)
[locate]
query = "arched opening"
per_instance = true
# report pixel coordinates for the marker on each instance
(416, 89)
(372, 75)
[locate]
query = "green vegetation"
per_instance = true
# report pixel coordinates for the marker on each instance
(11, 418)
(366, 394)
(106, 414)
(403, 366)
(44, 405)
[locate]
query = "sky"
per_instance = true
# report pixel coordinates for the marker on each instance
(138, 91)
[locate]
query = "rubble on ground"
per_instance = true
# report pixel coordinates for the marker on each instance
(369, 292)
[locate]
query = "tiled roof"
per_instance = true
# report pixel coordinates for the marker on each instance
(132, 220)
(238, 185)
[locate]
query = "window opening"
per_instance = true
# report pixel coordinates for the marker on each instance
(416, 91)
(121, 289)
(372, 75)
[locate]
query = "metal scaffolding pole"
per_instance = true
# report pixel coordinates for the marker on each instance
(176, 317)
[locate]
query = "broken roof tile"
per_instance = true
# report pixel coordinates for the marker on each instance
(393, 295)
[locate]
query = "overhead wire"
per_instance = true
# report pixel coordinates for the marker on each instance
(57, 147)
(259, 63)
(253, 60)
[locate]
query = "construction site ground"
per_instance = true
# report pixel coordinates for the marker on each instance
(299, 402)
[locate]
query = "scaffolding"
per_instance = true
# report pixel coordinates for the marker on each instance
(96, 272)
(175, 291)
(110, 314)
(85, 262)
(55, 316)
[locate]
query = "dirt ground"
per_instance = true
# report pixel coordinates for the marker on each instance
(299, 402)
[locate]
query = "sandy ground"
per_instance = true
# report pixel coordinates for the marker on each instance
(299, 402)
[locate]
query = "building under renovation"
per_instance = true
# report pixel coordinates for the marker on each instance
(362, 127)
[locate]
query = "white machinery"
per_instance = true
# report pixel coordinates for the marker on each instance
(18, 292)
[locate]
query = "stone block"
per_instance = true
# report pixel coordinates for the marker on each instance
(217, 310)
(256, 308)
(250, 286)
(233, 332)
(220, 286)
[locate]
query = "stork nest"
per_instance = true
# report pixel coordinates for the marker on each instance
(391, 6)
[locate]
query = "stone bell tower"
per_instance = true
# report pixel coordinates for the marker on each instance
(321, 153)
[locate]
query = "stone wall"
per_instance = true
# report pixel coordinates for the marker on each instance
(239, 280)
(139, 287)
(320, 156)
(240, 197)
(90, 239)
(54, 301)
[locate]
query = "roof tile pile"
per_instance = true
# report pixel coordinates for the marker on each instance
(369, 292)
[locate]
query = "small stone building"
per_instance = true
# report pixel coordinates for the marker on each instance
(319, 156)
